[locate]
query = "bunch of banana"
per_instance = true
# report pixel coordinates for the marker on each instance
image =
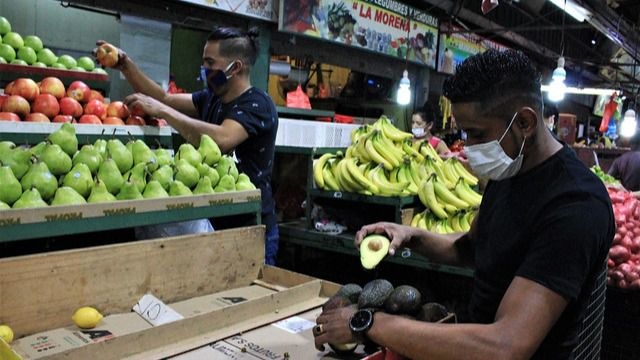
(390, 131)
(458, 222)
(403, 174)
(323, 171)
(387, 187)
(444, 202)
(425, 148)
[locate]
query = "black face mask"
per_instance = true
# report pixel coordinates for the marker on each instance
(215, 79)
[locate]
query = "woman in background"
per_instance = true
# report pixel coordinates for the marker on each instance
(421, 124)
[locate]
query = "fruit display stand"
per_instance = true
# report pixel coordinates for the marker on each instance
(215, 282)
(96, 81)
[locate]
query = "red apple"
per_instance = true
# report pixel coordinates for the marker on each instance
(46, 104)
(112, 120)
(107, 55)
(16, 104)
(70, 106)
(52, 85)
(118, 109)
(79, 91)
(2, 98)
(135, 120)
(137, 110)
(95, 95)
(9, 116)
(8, 88)
(95, 107)
(63, 118)
(37, 117)
(89, 119)
(25, 87)
(157, 122)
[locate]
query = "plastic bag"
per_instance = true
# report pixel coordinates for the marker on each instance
(298, 99)
(173, 229)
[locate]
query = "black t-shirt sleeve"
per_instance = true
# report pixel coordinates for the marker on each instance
(199, 99)
(566, 245)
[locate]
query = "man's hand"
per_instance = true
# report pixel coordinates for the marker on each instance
(108, 55)
(146, 104)
(399, 234)
(333, 327)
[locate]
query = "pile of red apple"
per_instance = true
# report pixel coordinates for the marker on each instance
(50, 101)
(624, 256)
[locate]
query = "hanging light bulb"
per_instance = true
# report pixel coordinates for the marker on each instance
(629, 123)
(403, 96)
(557, 88)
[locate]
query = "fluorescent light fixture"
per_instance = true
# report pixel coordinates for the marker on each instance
(557, 87)
(629, 123)
(581, 91)
(574, 10)
(404, 90)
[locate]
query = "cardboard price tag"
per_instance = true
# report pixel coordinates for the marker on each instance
(154, 311)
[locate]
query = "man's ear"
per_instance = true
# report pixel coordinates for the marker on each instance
(527, 120)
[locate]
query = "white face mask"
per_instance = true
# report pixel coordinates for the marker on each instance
(417, 132)
(550, 125)
(489, 161)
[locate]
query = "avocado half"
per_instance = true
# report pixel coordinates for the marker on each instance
(373, 249)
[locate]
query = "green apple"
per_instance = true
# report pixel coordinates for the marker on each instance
(68, 61)
(27, 54)
(47, 56)
(18, 62)
(33, 42)
(57, 65)
(99, 70)
(2, 60)
(14, 39)
(39, 64)
(86, 63)
(7, 52)
(5, 25)
(77, 68)
(0, 39)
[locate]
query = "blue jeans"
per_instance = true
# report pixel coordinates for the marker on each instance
(272, 238)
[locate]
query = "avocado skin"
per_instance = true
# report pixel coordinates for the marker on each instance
(351, 291)
(374, 294)
(432, 312)
(404, 300)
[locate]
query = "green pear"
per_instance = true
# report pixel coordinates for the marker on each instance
(38, 148)
(188, 152)
(89, 156)
(164, 175)
(143, 154)
(203, 186)
(163, 156)
(138, 175)
(244, 183)
(4, 206)
(120, 154)
(79, 178)
(19, 159)
(186, 173)
(65, 195)
(10, 188)
(38, 176)
(226, 183)
(203, 169)
(29, 199)
(209, 150)
(66, 138)
(154, 190)
(177, 188)
(58, 161)
(212, 174)
(226, 165)
(101, 146)
(109, 174)
(5, 147)
(99, 193)
(129, 191)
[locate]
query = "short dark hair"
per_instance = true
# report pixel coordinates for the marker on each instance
(237, 43)
(550, 109)
(494, 79)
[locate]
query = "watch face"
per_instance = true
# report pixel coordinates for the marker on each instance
(361, 320)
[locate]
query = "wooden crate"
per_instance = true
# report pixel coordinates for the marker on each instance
(40, 292)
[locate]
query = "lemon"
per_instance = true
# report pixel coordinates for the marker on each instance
(6, 333)
(86, 317)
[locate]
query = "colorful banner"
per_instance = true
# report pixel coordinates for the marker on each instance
(260, 9)
(384, 26)
(455, 47)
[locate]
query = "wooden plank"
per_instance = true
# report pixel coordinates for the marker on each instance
(41, 292)
(187, 334)
(287, 279)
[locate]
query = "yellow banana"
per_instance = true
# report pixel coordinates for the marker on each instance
(391, 131)
(450, 209)
(449, 171)
(386, 187)
(455, 223)
(374, 154)
(357, 175)
(409, 150)
(416, 219)
(361, 151)
(428, 151)
(385, 150)
(439, 171)
(463, 172)
(330, 181)
(404, 175)
(446, 196)
(467, 194)
(424, 220)
(346, 183)
(318, 166)
(393, 175)
(429, 220)
(430, 199)
(464, 221)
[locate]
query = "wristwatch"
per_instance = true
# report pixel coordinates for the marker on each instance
(360, 323)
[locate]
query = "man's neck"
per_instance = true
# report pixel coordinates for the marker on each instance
(236, 90)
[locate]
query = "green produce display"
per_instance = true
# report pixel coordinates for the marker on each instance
(56, 172)
(606, 178)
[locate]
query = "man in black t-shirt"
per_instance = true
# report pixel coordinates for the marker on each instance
(538, 243)
(626, 167)
(240, 118)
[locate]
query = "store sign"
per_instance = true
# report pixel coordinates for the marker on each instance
(455, 47)
(260, 9)
(377, 25)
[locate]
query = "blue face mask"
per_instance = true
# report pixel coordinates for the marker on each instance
(215, 79)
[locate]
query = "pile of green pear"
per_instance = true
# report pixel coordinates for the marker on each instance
(57, 171)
